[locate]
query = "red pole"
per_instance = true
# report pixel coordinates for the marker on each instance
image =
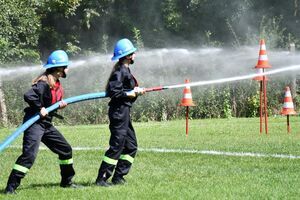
(187, 121)
(288, 123)
(265, 99)
(260, 107)
(155, 89)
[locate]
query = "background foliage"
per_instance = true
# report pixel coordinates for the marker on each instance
(31, 29)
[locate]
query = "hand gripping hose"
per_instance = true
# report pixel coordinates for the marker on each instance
(55, 106)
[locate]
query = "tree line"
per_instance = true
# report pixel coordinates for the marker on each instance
(30, 29)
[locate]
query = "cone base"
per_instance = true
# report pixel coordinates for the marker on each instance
(187, 104)
(288, 112)
(260, 78)
(262, 66)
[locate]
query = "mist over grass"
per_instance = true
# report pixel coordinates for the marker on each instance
(164, 67)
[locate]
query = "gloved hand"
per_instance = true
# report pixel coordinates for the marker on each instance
(43, 112)
(139, 91)
(62, 104)
(131, 94)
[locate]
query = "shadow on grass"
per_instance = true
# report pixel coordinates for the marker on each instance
(2, 192)
(80, 185)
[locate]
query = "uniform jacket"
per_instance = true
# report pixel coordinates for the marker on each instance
(120, 82)
(40, 95)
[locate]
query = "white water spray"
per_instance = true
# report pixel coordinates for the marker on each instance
(15, 71)
(168, 67)
(236, 78)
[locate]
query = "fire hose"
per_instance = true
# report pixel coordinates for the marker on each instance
(55, 106)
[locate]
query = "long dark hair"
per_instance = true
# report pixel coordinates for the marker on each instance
(115, 67)
(46, 76)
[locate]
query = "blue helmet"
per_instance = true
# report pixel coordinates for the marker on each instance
(123, 48)
(58, 58)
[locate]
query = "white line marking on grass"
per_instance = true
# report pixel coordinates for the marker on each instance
(220, 153)
(205, 152)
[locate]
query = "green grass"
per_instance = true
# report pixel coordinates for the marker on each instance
(157, 175)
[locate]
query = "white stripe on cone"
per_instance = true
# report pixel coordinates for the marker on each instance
(288, 105)
(187, 96)
(263, 57)
(288, 94)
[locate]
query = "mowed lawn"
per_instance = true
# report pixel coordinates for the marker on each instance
(169, 165)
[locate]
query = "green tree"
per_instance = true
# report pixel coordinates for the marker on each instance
(138, 38)
(19, 33)
(172, 15)
(60, 28)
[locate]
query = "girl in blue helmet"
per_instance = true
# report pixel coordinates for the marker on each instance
(122, 88)
(46, 90)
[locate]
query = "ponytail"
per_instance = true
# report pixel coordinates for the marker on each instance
(47, 77)
(115, 67)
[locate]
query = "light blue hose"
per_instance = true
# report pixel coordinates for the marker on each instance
(36, 117)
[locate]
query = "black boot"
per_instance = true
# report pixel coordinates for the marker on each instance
(104, 173)
(102, 183)
(121, 170)
(67, 173)
(9, 190)
(118, 181)
(70, 185)
(102, 180)
(13, 182)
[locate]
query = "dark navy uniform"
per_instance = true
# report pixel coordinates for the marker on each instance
(123, 143)
(40, 95)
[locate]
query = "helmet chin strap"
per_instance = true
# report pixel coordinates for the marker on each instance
(131, 61)
(64, 75)
(128, 60)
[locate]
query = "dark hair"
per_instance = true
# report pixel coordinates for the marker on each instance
(47, 76)
(116, 66)
(53, 69)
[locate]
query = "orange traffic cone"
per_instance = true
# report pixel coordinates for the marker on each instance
(288, 106)
(261, 65)
(187, 99)
(259, 78)
(263, 58)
